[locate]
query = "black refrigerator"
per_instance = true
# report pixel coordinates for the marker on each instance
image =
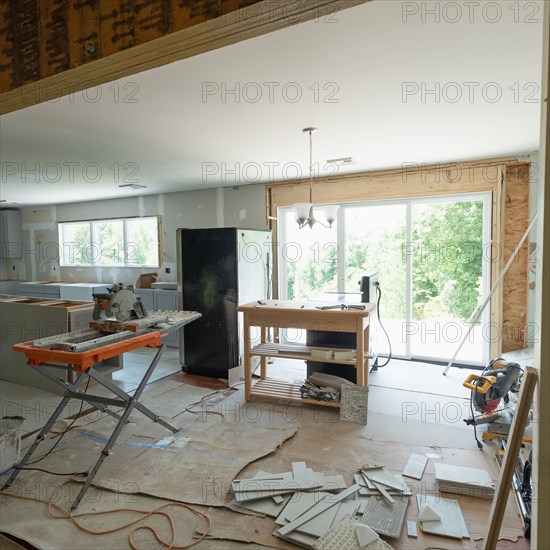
(219, 269)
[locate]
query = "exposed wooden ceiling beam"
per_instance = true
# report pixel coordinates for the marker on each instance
(51, 48)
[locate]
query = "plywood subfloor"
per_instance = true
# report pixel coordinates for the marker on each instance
(324, 443)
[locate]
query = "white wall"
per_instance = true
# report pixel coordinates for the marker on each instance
(228, 207)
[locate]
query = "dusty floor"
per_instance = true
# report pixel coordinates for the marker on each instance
(410, 404)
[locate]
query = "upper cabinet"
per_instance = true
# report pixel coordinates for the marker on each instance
(11, 234)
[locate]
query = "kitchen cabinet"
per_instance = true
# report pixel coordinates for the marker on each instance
(11, 234)
(41, 289)
(82, 291)
(66, 291)
(8, 287)
(28, 318)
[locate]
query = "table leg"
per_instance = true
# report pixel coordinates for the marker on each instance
(360, 353)
(263, 358)
(366, 340)
(247, 371)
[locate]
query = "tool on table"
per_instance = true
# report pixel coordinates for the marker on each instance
(497, 383)
(343, 306)
(120, 304)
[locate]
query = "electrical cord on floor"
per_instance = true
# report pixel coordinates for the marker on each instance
(62, 434)
(379, 295)
(201, 402)
(56, 473)
(170, 544)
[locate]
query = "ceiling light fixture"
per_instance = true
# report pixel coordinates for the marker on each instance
(304, 210)
(134, 185)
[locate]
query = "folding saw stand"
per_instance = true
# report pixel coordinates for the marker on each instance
(81, 351)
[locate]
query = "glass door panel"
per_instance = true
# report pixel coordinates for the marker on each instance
(447, 279)
(374, 239)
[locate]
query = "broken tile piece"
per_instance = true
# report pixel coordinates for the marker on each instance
(415, 466)
(412, 530)
(428, 514)
(452, 522)
(365, 535)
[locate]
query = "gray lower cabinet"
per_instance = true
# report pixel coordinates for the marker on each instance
(38, 289)
(8, 288)
(26, 319)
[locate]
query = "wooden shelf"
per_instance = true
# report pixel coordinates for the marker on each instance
(298, 351)
(277, 389)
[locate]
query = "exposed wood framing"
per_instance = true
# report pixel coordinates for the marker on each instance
(515, 285)
(51, 48)
(497, 236)
(490, 175)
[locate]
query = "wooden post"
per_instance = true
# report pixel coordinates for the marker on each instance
(500, 499)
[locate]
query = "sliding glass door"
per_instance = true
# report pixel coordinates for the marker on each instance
(449, 278)
(373, 245)
(428, 257)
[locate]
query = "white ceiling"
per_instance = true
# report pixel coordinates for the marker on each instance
(161, 132)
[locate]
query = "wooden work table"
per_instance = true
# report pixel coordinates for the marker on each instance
(279, 314)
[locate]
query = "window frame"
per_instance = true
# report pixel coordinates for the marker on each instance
(93, 223)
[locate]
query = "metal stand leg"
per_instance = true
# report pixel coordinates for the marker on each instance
(135, 399)
(73, 392)
(126, 402)
(40, 437)
(132, 403)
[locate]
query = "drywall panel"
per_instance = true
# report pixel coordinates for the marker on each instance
(245, 207)
(98, 210)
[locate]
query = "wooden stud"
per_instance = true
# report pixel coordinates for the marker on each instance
(528, 383)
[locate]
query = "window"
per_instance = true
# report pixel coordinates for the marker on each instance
(123, 242)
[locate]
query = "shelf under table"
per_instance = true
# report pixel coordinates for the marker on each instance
(298, 351)
(277, 389)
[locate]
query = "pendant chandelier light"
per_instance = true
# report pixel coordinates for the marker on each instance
(304, 210)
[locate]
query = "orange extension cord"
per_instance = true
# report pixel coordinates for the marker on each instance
(144, 514)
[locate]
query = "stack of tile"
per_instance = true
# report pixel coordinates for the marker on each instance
(464, 481)
(385, 508)
(305, 506)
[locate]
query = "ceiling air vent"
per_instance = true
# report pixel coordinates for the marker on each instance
(344, 161)
(134, 186)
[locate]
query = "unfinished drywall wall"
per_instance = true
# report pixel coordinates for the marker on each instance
(228, 207)
(38, 260)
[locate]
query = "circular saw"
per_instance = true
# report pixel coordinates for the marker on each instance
(119, 304)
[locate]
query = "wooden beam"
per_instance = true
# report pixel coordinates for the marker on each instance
(51, 48)
(521, 415)
(406, 182)
(540, 528)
